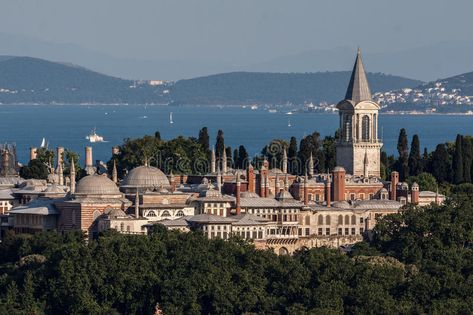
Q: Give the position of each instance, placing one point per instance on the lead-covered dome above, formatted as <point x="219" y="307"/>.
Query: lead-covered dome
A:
<point x="146" y="177"/>
<point x="96" y="185"/>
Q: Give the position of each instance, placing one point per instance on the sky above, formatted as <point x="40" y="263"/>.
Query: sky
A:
<point x="236" y="32"/>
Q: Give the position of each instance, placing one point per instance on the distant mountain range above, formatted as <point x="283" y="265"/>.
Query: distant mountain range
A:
<point x="426" y="63"/>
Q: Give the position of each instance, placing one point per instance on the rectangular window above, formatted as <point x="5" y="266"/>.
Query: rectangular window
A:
<point x="327" y="231"/>
<point x="320" y="231"/>
<point x="361" y="231"/>
<point x="340" y="231"/>
<point x="346" y="231"/>
<point x="260" y="234"/>
<point x="307" y="231"/>
<point x="353" y="231"/>
<point x="352" y="197"/>
<point x="361" y="220"/>
<point x="300" y="231"/>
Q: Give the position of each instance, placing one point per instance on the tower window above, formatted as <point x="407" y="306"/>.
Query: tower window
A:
<point x="365" y="128"/>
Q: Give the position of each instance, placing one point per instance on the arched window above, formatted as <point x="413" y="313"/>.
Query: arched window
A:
<point x="151" y="214"/>
<point x="166" y="214"/>
<point x="180" y="213"/>
<point x="340" y="219"/>
<point x="283" y="251"/>
<point x="320" y="219"/>
<point x="347" y="124"/>
<point x="122" y="226"/>
<point x="327" y="219"/>
<point x="365" y="128"/>
<point x="353" y="219"/>
<point x="347" y="219"/>
<point x="96" y="214"/>
<point x="307" y="220"/>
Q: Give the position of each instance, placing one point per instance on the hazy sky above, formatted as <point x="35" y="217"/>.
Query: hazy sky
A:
<point x="237" y="30"/>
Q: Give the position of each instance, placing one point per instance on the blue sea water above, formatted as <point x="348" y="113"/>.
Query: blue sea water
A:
<point x="68" y="125"/>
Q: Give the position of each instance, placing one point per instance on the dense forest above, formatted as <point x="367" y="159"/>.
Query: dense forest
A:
<point x="420" y="261"/>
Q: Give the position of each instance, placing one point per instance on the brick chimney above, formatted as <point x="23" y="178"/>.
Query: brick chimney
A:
<point x="237" y="194"/>
<point x="415" y="193"/>
<point x="338" y="183"/>
<point x="394" y="182"/>
<point x="250" y="174"/>
<point x="306" y="193"/>
<point x="328" y="191"/>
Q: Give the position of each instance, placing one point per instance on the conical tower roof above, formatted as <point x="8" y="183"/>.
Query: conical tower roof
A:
<point x="358" y="88"/>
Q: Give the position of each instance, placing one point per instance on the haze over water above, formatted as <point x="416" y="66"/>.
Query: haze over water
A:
<point x="68" y="126"/>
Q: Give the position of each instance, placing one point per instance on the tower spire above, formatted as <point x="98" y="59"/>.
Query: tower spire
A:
<point x="358" y="88"/>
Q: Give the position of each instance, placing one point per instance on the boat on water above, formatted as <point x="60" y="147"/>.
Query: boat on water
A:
<point x="289" y="123"/>
<point x="254" y="107"/>
<point x="94" y="137"/>
<point x="44" y="143"/>
<point x="170" y="118"/>
<point x="272" y="111"/>
<point x="289" y="113"/>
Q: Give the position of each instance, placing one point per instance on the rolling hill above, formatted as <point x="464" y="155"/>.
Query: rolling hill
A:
<point x="276" y="88"/>
<point x="33" y="80"/>
<point x="37" y="81"/>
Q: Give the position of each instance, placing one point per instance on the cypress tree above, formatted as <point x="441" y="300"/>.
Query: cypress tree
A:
<point x="403" y="150"/>
<point x="236" y="157"/>
<point x="204" y="139"/>
<point x="441" y="167"/>
<point x="467" y="148"/>
<point x="229" y="157"/>
<point x="458" y="161"/>
<point x="426" y="161"/>
<point x="415" y="164"/>
<point x="292" y="156"/>
<point x="219" y="145"/>
<point x="242" y="157"/>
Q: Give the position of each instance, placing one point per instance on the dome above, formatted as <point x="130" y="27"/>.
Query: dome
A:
<point x="115" y="213"/>
<point x="248" y="194"/>
<point x="275" y="171"/>
<point x="96" y="185"/>
<point x="146" y="177"/>
<point x="341" y="204"/>
<point x="54" y="189"/>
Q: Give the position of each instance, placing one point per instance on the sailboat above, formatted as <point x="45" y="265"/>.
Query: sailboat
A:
<point x="44" y="144"/>
<point x="289" y="123"/>
<point x="170" y="118"/>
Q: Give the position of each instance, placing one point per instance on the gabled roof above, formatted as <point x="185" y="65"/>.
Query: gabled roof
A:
<point x="358" y="89"/>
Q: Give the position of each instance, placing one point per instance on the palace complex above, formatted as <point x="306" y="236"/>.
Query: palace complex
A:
<point x="269" y="206"/>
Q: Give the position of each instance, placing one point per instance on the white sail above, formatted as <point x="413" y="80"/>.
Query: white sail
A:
<point x="43" y="143"/>
<point x="170" y="119"/>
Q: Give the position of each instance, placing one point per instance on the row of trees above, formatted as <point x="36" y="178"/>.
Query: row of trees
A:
<point x="449" y="163"/>
<point x="420" y="261"/>
<point x="192" y="155"/>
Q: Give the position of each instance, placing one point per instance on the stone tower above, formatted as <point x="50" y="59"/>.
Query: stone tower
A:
<point x="359" y="141"/>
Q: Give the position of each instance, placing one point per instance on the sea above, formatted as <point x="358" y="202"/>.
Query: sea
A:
<point x="68" y="126"/>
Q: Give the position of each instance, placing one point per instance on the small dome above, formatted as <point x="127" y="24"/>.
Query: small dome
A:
<point x="54" y="189"/>
<point x="415" y="185"/>
<point x="248" y="194"/>
<point x="146" y="177"/>
<point x="341" y="204"/>
<point x="115" y="213"/>
<point x="96" y="185"/>
<point x="383" y="190"/>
